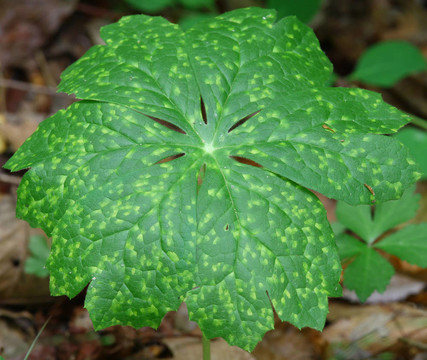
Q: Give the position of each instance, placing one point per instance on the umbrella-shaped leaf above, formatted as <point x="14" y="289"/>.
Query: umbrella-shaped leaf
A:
<point x="182" y="175"/>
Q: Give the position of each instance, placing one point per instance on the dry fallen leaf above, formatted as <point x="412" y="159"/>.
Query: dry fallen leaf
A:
<point x="14" y="235"/>
<point x="26" y="25"/>
<point x="15" y="284"/>
<point x="16" y="333"/>
<point x="19" y="127"/>
<point x="399" y="288"/>
<point x="360" y="331"/>
<point x="190" y="348"/>
<point x="286" y="342"/>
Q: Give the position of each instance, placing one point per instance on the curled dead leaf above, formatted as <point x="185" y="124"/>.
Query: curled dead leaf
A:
<point x="15" y="284"/>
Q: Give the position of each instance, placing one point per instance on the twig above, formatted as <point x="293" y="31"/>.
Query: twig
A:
<point x="98" y="12"/>
<point x="45" y="70"/>
<point x="2" y="94"/>
<point x="10" y="179"/>
<point x="21" y="85"/>
<point x="414" y="343"/>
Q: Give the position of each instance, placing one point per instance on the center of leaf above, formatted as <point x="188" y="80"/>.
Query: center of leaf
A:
<point x="209" y="148"/>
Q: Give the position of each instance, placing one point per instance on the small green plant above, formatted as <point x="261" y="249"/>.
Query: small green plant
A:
<point x="39" y="252"/>
<point x="302" y="9"/>
<point x="367" y="270"/>
<point x="385" y="63"/>
<point x="154" y="6"/>
<point x="183" y="174"/>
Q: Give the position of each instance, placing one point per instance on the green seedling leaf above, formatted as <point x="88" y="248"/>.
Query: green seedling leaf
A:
<point x="303" y="9"/>
<point x="409" y="244"/>
<point x="368" y="272"/>
<point x="150" y="6"/>
<point x="338" y="228"/>
<point x="39" y="250"/>
<point x="349" y="246"/>
<point x="368" y="224"/>
<point x="392" y="213"/>
<point x="416" y="141"/>
<point x="182" y="175"/>
<point x="356" y="218"/>
<point x="386" y="63"/>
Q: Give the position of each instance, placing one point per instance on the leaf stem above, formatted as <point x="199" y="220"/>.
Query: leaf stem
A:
<point x="206" y="348"/>
<point x="419" y="122"/>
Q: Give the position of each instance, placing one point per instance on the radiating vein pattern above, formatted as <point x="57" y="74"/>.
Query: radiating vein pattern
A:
<point x="183" y="173"/>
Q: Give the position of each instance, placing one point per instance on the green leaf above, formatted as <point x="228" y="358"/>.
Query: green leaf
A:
<point x="356" y="218"/>
<point x="187" y="22"/>
<point x="303" y="9"/>
<point x="150" y="6"/>
<point x="386" y="215"/>
<point x="392" y="213"/>
<point x="409" y="244"/>
<point x="416" y="142"/>
<point x="386" y="63"/>
<point x="39" y="250"/>
<point x="196" y="4"/>
<point x="368" y="272"/>
<point x="349" y="246"/>
<point x="182" y="174"/>
<point x="338" y="228"/>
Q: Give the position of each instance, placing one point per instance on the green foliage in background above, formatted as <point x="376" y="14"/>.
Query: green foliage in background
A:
<point x="189" y="21"/>
<point x="386" y="63"/>
<point x="150" y="6"/>
<point x="183" y="174"/>
<point x="39" y="252"/>
<point x="303" y="9"/>
<point x="416" y="141"/>
<point x="155" y="6"/>
<point x="367" y="270"/>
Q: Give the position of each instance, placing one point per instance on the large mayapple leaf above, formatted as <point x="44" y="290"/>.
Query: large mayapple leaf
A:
<point x="182" y="173"/>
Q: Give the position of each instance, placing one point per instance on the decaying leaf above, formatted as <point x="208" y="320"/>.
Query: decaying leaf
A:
<point x="15" y="285"/>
